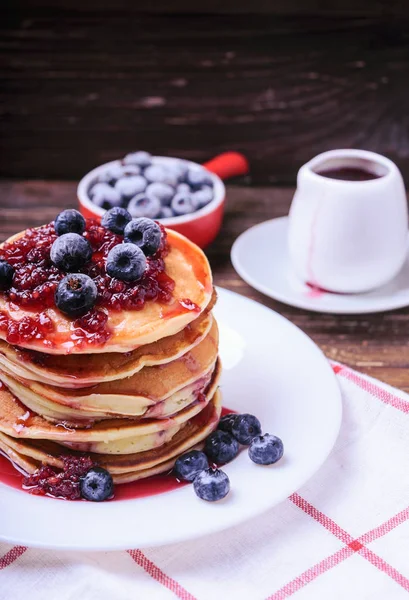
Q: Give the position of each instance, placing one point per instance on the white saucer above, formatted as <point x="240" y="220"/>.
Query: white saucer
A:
<point x="271" y="369"/>
<point x="260" y="257"/>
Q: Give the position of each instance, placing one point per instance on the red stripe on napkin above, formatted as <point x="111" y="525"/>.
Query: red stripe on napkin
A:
<point x="381" y="394"/>
<point x="159" y="576"/>
<point x="385" y="567"/>
<point x="11" y="556"/>
<point x="321" y="518"/>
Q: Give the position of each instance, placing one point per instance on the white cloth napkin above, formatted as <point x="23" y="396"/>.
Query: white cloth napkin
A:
<point x="345" y="534"/>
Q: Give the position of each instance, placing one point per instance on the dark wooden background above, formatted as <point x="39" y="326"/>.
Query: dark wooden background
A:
<point x="85" y="82"/>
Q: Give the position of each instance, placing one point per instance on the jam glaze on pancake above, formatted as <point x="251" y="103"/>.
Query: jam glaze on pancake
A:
<point x="16" y="421"/>
<point x="29" y="455"/>
<point x="185" y="264"/>
<point x="72" y="371"/>
<point x="130" y="397"/>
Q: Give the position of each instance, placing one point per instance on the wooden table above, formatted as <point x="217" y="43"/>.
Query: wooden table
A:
<point x="374" y="344"/>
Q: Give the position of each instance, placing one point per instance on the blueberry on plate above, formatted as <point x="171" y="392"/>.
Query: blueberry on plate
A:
<point x="6" y="275"/>
<point x="159" y="173"/>
<point x="96" y="485"/>
<point x="203" y="196"/>
<point x="197" y="177"/>
<point x="128" y="187"/>
<point x="266" y="449"/>
<point x="141" y="159"/>
<point x="116" y="219"/>
<point x="162" y="191"/>
<point x="211" y="485"/>
<point x="70" y="251"/>
<point x="144" y="233"/>
<point x="226" y="422"/>
<point x="126" y="262"/>
<point x="76" y="294"/>
<point x="190" y="464"/>
<point x="221" y="447"/>
<point x="166" y="213"/>
<point x="103" y="195"/>
<point x="69" y="221"/>
<point x="183" y="204"/>
<point x="245" y="428"/>
<point x="142" y="205"/>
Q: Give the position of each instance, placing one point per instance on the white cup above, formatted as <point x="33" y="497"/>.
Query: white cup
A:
<point x="348" y="236"/>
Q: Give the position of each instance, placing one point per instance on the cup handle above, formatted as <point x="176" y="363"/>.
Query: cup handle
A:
<point x="228" y="164"/>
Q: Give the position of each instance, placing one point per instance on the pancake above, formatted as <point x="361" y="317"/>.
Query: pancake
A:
<point x="142" y="408"/>
<point x="131" y="396"/>
<point x="71" y="371"/>
<point x="28" y="455"/>
<point x="16" y="421"/>
<point x="185" y="263"/>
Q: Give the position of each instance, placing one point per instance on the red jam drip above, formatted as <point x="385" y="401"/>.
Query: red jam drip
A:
<point x="36" y="278"/>
<point x="151" y="486"/>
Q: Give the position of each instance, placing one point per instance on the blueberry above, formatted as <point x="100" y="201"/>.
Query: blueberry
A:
<point x="76" y="294"/>
<point x="116" y="219"/>
<point x="197" y="177"/>
<point x="112" y="174"/>
<point x="69" y="221"/>
<point x="102" y="194"/>
<point x="162" y="191"/>
<point x="203" y="196"/>
<point x="221" y="447"/>
<point x="190" y="464"/>
<point x="226" y="422"/>
<point x="70" y="251"/>
<point x="6" y="275"/>
<point x="266" y="449"/>
<point x="183" y="188"/>
<point x="183" y="204"/>
<point x="180" y="168"/>
<point x="166" y="212"/>
<point x="159" y="173"/>
<point x="96" y="485"/>
<point x="126" y="262"/>
<point x="211" y="485"/>
<point x="145" y="233"/>
<point x="245" y="428"/>
<point x="128" y="187"/>
<point x="141" y="159"/>
<point x="142" y="205"/>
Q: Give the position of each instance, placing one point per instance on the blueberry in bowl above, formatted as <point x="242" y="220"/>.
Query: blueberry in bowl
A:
<point x="182" y="195"/>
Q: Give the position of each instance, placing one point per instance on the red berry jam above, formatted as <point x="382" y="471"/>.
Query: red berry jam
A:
<point x="36" y="278"/>
<point x="48" y="481"/>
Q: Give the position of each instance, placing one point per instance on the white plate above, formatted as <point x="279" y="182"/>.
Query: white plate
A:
<point x="271" y="369"/>
<point x="260" y="257"/>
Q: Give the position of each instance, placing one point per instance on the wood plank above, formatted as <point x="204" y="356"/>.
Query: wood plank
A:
<point x="79" y="89"/>
<point x="278" y="7"/>
<point x="374" y="344"/>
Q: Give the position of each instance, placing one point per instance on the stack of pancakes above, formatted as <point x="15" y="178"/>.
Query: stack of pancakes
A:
<point x="134" y="404"/>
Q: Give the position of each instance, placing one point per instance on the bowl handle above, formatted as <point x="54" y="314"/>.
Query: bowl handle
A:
<point x="228" y="164"/>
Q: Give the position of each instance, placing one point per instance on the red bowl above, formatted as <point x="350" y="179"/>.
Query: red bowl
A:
<point x="203" y="225"/>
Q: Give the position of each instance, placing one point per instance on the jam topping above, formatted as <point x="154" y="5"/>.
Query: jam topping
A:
<point x="47" y="481"/>
<point x="36" y="278"/>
